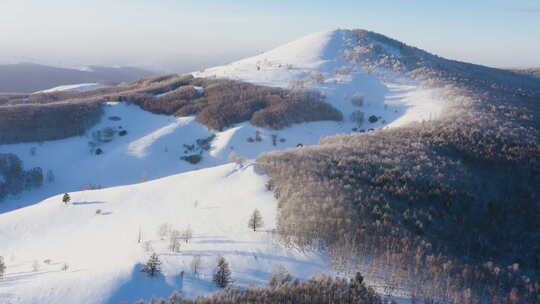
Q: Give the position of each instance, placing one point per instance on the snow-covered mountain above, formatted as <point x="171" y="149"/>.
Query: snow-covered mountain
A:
<point x="212" y="197"/>
<point x="319" y="61"/>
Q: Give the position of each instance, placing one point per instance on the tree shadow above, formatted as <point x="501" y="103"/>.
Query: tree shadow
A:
<point x="138" y="285"/>
<point x="86" y="203"/>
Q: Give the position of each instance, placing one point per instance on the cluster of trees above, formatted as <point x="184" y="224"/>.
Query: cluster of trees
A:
<point x="217" y="103"/>
<point x="221" y="102"/>
<point x="36" y="122"/>
<point x="320" y="290"/>
<point x="14" y="179"/>
<point x="447" y="209"/>
<point x="62" y="114"/>
<point x="222" y="275"/>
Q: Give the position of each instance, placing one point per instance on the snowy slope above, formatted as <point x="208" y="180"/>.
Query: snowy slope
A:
<point x="395" y="98"/>
<point x="103" y="252"/>
<point x="74" y="87"/>
<point x="154" y="144"/>
<point x="151" y="149"/>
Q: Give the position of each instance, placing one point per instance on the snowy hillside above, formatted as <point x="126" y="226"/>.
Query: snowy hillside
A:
<point x="103" y="253"/>
<point x="131" y="147"/>
<point x="318" y="61"/>
<point x="154" y="143"/>
<point x="74" y="87"/>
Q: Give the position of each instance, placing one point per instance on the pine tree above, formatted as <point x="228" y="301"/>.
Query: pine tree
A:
<point x="255" y="221"/>
<point x="222" y="276"/>
<point x="153" y="266"/>
<point x="2" y="267"/>
<point x="66" y="198"/>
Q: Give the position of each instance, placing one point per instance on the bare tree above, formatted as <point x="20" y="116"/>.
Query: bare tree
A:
<point x="195" y="265"/>
<point x="148" y="246"/>
<point x="280" y="276"/>
<point x="163" y="230"/>
<point x="3" y="267"/>
<point x="235" y="158"/>
<point x="187" y="234"/>
<point x="174" y="240"/>
<point x="255" y="221"/>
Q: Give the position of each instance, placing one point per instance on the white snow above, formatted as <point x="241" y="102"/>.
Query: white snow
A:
<point x="74" y="87"/>
<point x="102" y="250"/>
<point x="321" y="54"/>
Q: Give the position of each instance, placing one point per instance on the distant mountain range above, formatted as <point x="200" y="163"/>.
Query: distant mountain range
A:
<point x="30" y="77"/>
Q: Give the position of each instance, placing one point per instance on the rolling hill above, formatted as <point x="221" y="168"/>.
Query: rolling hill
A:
<point x="435" y="163"/>
<point x="29" y="77"/>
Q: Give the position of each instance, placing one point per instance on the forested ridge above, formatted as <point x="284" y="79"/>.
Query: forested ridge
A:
<point x="441" y="208"/>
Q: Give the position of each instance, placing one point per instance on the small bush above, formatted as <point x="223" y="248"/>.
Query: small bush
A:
<point x="373" y="119"/>
<point x="192" y="159"/>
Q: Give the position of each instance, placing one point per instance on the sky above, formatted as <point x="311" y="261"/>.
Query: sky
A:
<point x="182" y="35"/>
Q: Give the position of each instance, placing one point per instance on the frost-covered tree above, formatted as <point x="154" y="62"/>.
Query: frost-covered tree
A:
<point x="195" y="265"/>
<point x="175" y="298"/>
<point x="222" y="275"/>
<point x="280" y="276"/>
<point x="153" y="266"/>
<point x="3" y="267"/>
<point x="164" y="230"/>
<point x="235" y="158"/>
<point x="187" y="234"/>
<point x="174" y="240"/>
<point x="66" y="198"/>
<point x="255" y="221"/>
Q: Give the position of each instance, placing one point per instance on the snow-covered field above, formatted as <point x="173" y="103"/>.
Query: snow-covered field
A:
<point x="143" y="188"/>
<point x="103" y="253"/>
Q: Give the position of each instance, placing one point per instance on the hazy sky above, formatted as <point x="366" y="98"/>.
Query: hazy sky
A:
<point x="183" y="34"/>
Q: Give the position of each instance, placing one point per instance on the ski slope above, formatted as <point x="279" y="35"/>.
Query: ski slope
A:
<point x="145" y="184"/>
<point x="103" y="252"/>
